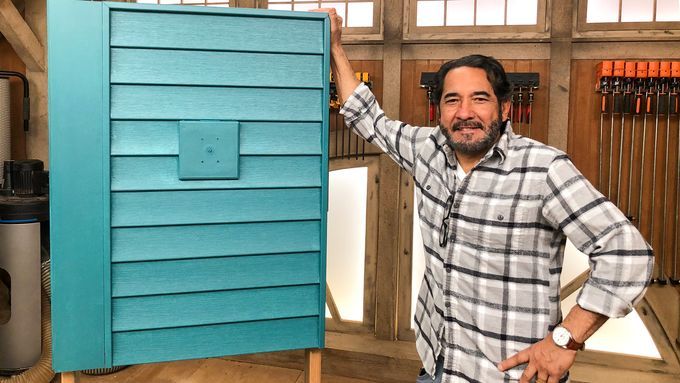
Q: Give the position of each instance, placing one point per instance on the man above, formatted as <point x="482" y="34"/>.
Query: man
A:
<point x="495" y="210"/>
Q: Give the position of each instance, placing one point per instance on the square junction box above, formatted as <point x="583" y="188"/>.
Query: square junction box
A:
<point x="208" y="150"/>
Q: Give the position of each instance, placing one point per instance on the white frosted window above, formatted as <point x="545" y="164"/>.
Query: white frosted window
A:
<point x="460" y="12"/>
<point x="360" y="14"/>
<point x="340" y="9"/>
<point x="170" y="2"/>
<point x="602" y="11"/>
<point x="305" y="6"/>
<point x="522" y="12"/>
<point x="418" y="258"/>
<point x="490" y="12"/>
<point x="637" y="10"/>
<point x="668" y="10"/>
<point x="281" y="7"/>
<point x="430" y="13"/>
<point x="347" y="240"/>
<point x="147" y="1"/>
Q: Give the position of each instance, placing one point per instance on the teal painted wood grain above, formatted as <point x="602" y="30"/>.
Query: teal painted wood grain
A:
<point x="213" y="206"/>
<point x="80" y="326"/>
<point x="257" y="138"/>
<point x="216" y="340"/>
<point x="160" y="173"/>
<point x="215" y="32"/>
<point x="214" y="103"/>
<point x="211" y="274"/>
<point x="190" y="67"/>
<point x="324" y="176"/>
<point x="214" y="307"/>
<point x="171" y="242"/>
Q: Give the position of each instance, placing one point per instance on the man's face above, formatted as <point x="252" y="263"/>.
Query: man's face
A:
<point x="469" y="113"/>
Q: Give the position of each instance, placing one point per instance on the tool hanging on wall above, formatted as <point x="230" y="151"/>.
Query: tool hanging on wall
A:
<point x="522" y="101"/>
<point x="675" y="110"/>
<point x="340" y="127"/>
<point x="636" y="108"/>
<point x="428" y="81"/>
<point x="654" y="73"/>
<point x="617" y="108"/>
<point x="626" y="109"/>
<point x="604" y="77"/>
<point x="664" y="103"/>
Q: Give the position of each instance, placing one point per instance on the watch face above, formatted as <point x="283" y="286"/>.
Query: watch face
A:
<point x="561" y="336"/>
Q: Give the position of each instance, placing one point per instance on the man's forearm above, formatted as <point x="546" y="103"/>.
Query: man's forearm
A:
<point x="583" y="323"/>
<point x="343" y="72"/>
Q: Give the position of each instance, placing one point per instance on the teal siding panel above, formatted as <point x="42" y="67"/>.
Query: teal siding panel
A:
<point x="257" y="138"/>
<point x="215" y="307"/>
<point x="160" y="173"/>
<point x="213" y="206"/>
<point x="210" y="274"/>
<point x="216" y="340"/>
<point x="182" y="67"/>
<point x="81" y="330"/>
<point x="215" y="32"/>
<point x="214" y="103"/>
<point x="170" y="242"/>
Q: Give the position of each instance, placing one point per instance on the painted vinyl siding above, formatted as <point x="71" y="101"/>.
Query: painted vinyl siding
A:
<point x="209" y="274"/>
<point x="257" y="138"/>
<point x="214" y="307"/>
<point x="216" y="340"/>
<point x="206" y="268"/>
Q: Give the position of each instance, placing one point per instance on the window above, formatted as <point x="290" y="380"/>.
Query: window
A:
<point x="209" y="3"/>
<point x="359" y="16"/>
<point x="474" y="16"/>
<point x="613" y="11"/>
<point x="618" y="15"/>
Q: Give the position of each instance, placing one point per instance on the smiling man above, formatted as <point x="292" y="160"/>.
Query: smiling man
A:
<point x="495" y="211"/>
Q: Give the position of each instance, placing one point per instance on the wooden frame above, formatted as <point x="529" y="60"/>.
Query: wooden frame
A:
<point x="492" y="32"/>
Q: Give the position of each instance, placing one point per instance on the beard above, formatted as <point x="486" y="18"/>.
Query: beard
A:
<point x="493" y="132"/>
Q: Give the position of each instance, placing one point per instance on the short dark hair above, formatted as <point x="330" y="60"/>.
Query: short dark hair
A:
<point x="494" y="73"/>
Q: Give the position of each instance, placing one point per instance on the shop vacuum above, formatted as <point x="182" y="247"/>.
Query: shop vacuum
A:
<point x="24" y="240"/>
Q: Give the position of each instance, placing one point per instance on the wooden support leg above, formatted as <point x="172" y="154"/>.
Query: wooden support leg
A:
<point x="312" y="365"/>
<point x="68" y="377"/>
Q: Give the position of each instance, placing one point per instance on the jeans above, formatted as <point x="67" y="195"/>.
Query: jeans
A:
<point x="437" y="378"/>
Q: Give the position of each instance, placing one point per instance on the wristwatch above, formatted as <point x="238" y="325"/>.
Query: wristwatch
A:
<point x="562" y="338"/>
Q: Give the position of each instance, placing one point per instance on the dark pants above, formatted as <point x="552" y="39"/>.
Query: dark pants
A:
<point x="437" y="378"/>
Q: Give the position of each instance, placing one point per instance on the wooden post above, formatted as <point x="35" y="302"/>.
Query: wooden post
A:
<point x="68" y="377"/>
<point x="312" y="365"/>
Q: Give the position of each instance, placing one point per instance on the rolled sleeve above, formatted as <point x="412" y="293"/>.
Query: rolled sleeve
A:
<point x="620" y="260"/>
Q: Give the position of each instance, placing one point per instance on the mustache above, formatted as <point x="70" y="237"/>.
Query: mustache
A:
<point x="467" y="124"/>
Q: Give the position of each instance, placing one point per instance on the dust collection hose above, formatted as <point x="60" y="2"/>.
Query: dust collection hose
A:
<point x="41" y="372"/>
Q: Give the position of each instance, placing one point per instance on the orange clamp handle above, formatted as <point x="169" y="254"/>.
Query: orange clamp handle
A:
<point x="630" y="69"/>
<point x="619" y="68"/>
<point x="653" y="69"/>
<point x="641" y="69"/>
<point x="675" y="69"/>
<point x="665" y="69"/>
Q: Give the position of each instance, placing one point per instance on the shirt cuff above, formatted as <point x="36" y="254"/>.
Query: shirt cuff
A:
<point x="358" y="103"/>
<point x="598" y="300"/>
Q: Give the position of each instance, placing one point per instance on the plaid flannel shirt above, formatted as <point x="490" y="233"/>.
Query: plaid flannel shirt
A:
<point x="494" y="288"/>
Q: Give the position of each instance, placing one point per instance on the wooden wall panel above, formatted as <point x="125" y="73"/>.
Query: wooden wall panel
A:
<point x="11" y="62"/>
<point x="655" y="213"/>
<point x="414" y="106"/>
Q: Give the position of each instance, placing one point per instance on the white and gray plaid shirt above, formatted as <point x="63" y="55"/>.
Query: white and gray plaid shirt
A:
<point x="493" y="288"/>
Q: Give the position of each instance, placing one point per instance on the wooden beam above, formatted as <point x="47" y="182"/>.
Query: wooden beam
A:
<point x="312" y="365"/>
<point x="574" y="285"/>
<point x="332" y="307"/>
<point x="21" y="37"/>
<point x="68" y="377"/>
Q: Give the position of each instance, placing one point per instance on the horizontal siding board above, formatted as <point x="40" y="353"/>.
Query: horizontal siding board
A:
<point x="202" y="241"/>
<point x="182" y="67"/>
<point x="160" y="173"/>
<point x="215" y="307"/>
<point x="216" y="32"/>
<point x="156" y="102"/>
<point x="209" y="274"/>
<point x="213" y="206"/>
<point x="256" y="138"/>
<point x="215" y="340"/>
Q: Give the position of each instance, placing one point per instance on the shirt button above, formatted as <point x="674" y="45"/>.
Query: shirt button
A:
<point x="447" y="304"/>
<point x="428" y="187"/>
<point x="500" y="217"/>
<point x="456" y="205"/>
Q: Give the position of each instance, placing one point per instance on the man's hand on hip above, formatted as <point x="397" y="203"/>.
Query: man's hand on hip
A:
<point x="547" y="361"/>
